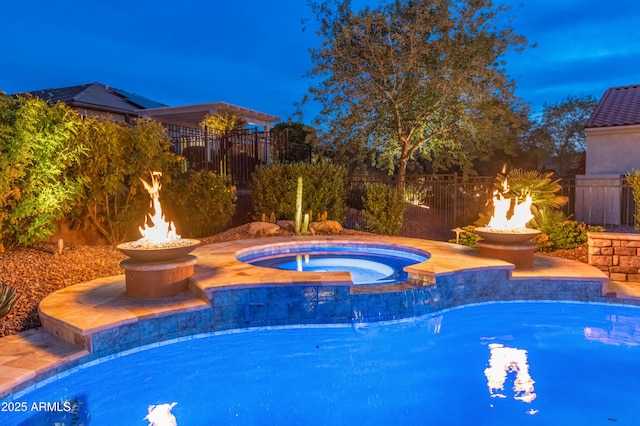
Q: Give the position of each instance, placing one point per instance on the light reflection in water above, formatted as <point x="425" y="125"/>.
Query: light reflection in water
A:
<point x="160" y="415"/>
<point x="505" y="360"/>
<point x="623" y="330"/>
<point x="299" y="261"/>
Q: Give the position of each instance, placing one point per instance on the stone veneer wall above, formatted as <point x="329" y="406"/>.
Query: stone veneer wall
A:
<point x="616" y="254"/>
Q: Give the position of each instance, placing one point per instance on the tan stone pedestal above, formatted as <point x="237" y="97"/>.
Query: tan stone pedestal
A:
<point x="157" y="279"/>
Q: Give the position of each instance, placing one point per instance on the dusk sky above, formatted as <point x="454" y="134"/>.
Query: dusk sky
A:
<point x="253" y="53"/>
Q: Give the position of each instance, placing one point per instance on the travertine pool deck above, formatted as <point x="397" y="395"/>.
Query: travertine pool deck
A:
<point x="90" y="320"/>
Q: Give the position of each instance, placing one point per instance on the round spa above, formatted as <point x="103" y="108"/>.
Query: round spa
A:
<point x="367" y="263"/>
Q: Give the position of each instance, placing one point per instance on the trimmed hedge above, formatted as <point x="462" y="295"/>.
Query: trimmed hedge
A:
<point x="200" y="203"/>
<point x="384" y="208"/>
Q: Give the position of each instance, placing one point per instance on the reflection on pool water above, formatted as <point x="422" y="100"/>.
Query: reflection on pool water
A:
<point x="489" y="364"/>
<point x="367" y="264"/>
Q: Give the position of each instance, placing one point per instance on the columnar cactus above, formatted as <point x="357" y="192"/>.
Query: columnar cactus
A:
<point x="301" y="225"/>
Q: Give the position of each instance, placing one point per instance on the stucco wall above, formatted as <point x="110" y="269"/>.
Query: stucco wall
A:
<point x="613" y="150"/>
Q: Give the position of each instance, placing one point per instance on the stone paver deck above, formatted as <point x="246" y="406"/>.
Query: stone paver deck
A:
<point x="79" y="321"/>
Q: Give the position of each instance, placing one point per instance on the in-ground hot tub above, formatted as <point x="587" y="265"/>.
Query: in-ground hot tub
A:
<point x="366" y="262"/>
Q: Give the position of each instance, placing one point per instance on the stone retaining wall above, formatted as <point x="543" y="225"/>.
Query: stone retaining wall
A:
<point x="617" y="255"/>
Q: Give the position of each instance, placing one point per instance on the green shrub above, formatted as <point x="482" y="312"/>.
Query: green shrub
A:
<point x="558" y="232"/>
<point x="633" y="178"/>
<point x="38" y="155"/>
<point x="467" y="237"/>
<point x="200" y="203"/>
<point x="113" y="200"/>
<point x="384" y="208"/>
<point x="274" y="189"/>
<point x="543" y="242"/>
<point x="570" y="234"/>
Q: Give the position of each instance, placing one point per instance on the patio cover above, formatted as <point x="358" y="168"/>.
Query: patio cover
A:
<point x="192" y="115"/>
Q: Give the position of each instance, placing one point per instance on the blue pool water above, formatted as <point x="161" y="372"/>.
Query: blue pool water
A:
<point x="367" y="264"/>
<point x="491" y="364"/>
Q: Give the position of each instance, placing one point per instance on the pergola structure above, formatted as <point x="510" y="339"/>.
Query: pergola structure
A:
<point x="192" y="115"/>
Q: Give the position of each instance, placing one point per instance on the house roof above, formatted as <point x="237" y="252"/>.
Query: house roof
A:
<point x="192" y="115"/>
<point x="619" y="106"/>
<point x="97" y="96"/>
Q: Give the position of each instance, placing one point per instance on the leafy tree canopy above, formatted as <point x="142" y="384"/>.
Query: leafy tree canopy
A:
<point x="416" y="77"/>
<point x="557" y="139"/>
<point x="223" y="121"/>
<point x="297" y="132"/>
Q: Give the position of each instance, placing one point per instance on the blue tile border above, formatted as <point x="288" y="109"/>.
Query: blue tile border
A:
<point x="276" y="305"/>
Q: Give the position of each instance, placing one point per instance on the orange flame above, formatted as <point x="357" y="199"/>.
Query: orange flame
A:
<point x="161" y="231"/>
<point x="501" y="207"/>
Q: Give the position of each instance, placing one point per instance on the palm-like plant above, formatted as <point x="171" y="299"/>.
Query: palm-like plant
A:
<point x="519" y="183"/>
<point x="542" y="188"/>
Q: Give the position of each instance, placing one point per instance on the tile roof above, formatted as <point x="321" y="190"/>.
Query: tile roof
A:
<point x="619" y="106"/>
<point x="98" y="96"/>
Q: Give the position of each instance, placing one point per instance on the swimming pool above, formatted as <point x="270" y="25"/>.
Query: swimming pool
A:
<point x="485" y="364"/>
<point x="367" y="263"/>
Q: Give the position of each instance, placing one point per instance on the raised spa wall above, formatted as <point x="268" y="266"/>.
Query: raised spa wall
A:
<point x="616" y="254"/>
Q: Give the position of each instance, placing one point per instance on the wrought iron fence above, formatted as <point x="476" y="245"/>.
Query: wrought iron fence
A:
<point x="439" y="203"/>
<point x="234" y="153"/>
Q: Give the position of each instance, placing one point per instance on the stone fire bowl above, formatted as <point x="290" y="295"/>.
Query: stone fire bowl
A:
<point x="518" y="236"/>
<point x="160" y="254"/>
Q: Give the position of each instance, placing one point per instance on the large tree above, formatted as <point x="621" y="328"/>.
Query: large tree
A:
<point x="556" y="139"/>
<point x="564" y="123"/>
<point x="416" y="77"/>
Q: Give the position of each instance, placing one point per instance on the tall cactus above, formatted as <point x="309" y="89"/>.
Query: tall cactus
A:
<point x="301" y="225"/>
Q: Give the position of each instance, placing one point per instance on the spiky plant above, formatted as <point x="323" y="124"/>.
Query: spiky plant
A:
<point x="542" y="188"/>
<point x="8" y="299"/>
<point x="520" y="183"/>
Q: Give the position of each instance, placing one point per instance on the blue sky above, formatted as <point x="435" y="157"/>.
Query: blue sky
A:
<point x="253" y="53"/>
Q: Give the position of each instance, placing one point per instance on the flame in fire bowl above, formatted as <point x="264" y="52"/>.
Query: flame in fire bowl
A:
<point x="158" y="252"/>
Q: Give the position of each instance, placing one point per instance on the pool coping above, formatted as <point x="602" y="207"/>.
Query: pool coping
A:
<point x="87" y="321"/>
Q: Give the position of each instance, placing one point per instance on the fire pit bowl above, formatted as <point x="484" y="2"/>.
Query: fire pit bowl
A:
<point x="158" y="253"/>
<point x="500" y="236"/>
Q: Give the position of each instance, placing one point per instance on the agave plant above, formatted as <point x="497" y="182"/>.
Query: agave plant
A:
<point x="8" y="299"/>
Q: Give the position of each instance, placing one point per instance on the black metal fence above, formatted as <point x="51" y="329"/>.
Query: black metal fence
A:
<point x="235" y="153"/>
<point x="439" y="203"/>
